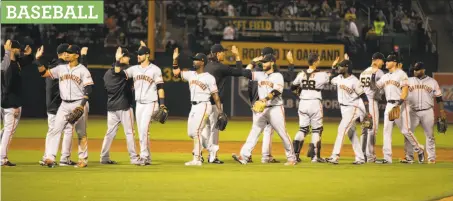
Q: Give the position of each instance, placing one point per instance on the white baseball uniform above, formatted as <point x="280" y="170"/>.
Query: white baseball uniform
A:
<point x="201" y="86"/>
<point x="310" y="105"/>
<point x="352" y="108"/>
<point x="274" y="113"/>
<point x="146" y="97"/>
<point x="392" y="84"/>
<point x="72" y="83"/>
<point x="421" y="101"/>
<point x="365" y="79"/>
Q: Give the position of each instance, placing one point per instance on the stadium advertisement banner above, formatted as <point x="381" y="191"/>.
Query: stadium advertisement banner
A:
<point x="445" y="81"/>
<point x="250" y="50"/>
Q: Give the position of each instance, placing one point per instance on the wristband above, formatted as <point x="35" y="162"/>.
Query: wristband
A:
<point x="400" y="102"/>
<point x="162" y="101"/>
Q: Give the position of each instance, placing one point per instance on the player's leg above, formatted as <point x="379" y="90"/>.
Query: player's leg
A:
<point x="408" y="149"/>
<point x="304" y="122"/>
<point x="259" y="122"/>
<point x="10" y="122"/>
<point x="359" y="156"/>
<point x="267" y="145"/>
<point x="113" y="121"/>
<point x="404" y="123"/>
<point x="387" y="136"/>
<point x="346" y="124"/>
<point x="198" y="118"/>
<point x="144" y="113"/>
<point x="82" y="137"/>
<point x="127" y="120"/>
<point x="316" y="122"/>
<point x="371" y="133"/>
<point x="66" y="146"/>
<point x="427" y="123"/>
<point x="55" y="134"/>
<point x="276" y="117"/>
<point x="50" y="126"/>
<point x="213" y="142"/>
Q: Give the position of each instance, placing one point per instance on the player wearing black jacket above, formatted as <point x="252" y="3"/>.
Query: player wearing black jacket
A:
<point x="13" y="61"/>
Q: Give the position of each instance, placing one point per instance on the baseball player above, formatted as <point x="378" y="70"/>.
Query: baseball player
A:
<point x="119" y="108"/>
<point x="395" y="85"/>
<point x="11" y="103"/>
<point x="268" y="131"/>
<point x="310" y="82"/>
<point x="350" y="92"/>
<point x="202" y="86"/>
<point x="368" y="138"/>
<point x="75" y="85"/>
<point x="422" y="91"/>
<point x="149" y="93"/>
<point x="53" y="101"/>
<point x="268" y="109"/>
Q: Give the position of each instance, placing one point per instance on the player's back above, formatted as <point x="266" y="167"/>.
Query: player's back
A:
<point x="311" y="88"/>
<point x="365" y="79"/>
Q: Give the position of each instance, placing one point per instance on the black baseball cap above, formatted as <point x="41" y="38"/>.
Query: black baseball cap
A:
<point x="419" y="66"/>
<point x="217" y="48"/>
<point x="267" y="50"/>
<point x="268" y="58"/>
<point x="200" y="57"/>
<point x="73" y="49"/>
<point x="62" y="48"/>
<point x="15" y="44"/>
<point x="143" y="50"/>
<point x="345" y="63"/>
<point x="378" y="55"/>
<point x="312" y="57"/>
<point x="393" y="57"/>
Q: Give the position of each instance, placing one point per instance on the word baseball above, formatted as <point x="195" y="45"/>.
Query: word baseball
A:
<point x="50" y="12"/>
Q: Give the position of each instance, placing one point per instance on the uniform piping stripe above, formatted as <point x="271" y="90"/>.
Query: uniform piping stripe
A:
<point x="284" y="124"/>
<point x="198" y="131"/>
<point x="11" y="136"/>
<point x="348" y="126"/>
<point x="132" y="125"/>
<point x="407" y="128"/>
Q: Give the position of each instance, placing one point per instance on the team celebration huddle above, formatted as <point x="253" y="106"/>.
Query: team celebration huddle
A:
<point x="410" y="103"/>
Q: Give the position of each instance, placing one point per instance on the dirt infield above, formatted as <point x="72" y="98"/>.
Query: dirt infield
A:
<point x="225" y="148"/>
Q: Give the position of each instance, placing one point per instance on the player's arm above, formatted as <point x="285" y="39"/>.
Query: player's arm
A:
<point x="277" y="89"/>
<point x="7" y="58"/>
<point x="83" y="56"/>
<point x="26" y="57"/>
<point x="359" y="91"/>
<point x="216" y="98"/>
<point x="40" y="63"/>
<point x="235" y="52"/>
<point x="176" y="69"/>
<point x="88" y="83"/>
<point x="404" y="89"/>
<point x="118" y="69"/>
<point x="439" y="100"/>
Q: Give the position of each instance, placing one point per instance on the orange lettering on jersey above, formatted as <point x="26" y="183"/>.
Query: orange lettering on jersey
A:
<point x="144" y="78"/>
<point x="198" y="83"/>
<point x="420" y="87"/>
<point x="266" y="83"/>
<point x="347" y="89"/>
<point x="74" y="78"/>
<point x="392" y="82"/>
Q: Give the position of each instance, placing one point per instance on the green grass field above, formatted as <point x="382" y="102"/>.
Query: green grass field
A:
<point x="169" y="179"/>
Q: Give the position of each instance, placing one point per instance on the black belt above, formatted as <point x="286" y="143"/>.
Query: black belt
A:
<point x="318" y="90"/>
<point x="393" y="101"/>
<point x="272" y="105"/>
<point x="344" y="105"/>
<point x="198" y="102"/>
<point x="70" y="101"/>
<point x="422" y="109"/>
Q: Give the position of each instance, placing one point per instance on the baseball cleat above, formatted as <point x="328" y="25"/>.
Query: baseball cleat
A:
<point x="109" y="162"/>
<point x="431" y="161"/>
<point x="193" y="163"/>
<point x="318" y="160"/>
<point x="8" y="163"/>
<point x="332" y="160"/>
<point x="41" y="163"/>
<point x="49" y="163"/>
<point x="421" y="156"/>
<point x="67" y="163"/>
<point x="271" y="160"/>
<point x="216" y="161"/>
<point x="239" y="159"/>
<point x="250" y="160"/>
<point x="291" y="162"/>
<point x="358" y="162"/>
<point x="383" y="161"/>
<point x="371" y="160"/>
<point x="298" y="159"/>
<point x="81" y="164"/>
<point x="406" y="160"/>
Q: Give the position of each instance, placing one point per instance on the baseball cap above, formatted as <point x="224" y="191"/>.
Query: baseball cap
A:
<point x="73" y="49"/>
<point x="143" y="50"/>
<point x="62" y="48"/>
<point x="378" y="55"/>
<point x="217" y="48"/>
<point x="15" y="44"/>
<point x="267" y="58"/>
<point x="200" y="57"/>
<point x="392" y="57"/>
<point x="312" y="57"/>
<point x="419" y="66"/>
<point x="345" y="63"/>
<point x="267" y="50"/>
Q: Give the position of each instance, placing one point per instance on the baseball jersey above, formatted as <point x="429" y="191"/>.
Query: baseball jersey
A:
<point x="422" y="92"/>
<point x="348" y="89"/>
<point x="72" y="81"/>
<point x="119" y="91"/>
<point x="311" y="88"/>
<point x="145" y="82"/>
<point x="392" y="84"/>
<point x="201" y="85"/>
<point x="365" y="79"/>
<point x="267" y="83"/>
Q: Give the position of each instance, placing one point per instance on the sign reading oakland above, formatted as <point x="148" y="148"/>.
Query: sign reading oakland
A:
<point x="52" y="12"/>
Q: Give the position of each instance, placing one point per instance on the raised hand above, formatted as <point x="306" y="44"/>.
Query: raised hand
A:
<point x="119" y="54"/>
<point x="234" y="50"/>
<point x="39" y="52"/>
<point x="346" y="56"/>
<point x="7" y="45"/>
<point x="142" y="44"/>
<point x="84" y="51"/>
<point x="256" y="59"/>
<point x="175" y="53"/>
<point x="289" y="57"/>
<point x="335" y="62"/>
<point x="27" y="50"/>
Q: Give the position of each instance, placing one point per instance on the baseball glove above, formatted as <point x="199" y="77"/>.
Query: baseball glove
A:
<point x="394" y="113"/>
<point x="441" y="125"/>
<point x="161" y="115"/>
<point x="259" y="106"/>
<point x="75" y="115"/>
<point x="222" y="121"/>
<point x="367" y="122"/>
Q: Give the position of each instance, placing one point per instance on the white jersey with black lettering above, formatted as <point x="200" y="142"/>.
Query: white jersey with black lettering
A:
<point x="72" y="81"/>
<point x="201" y="85"/>
<point x="365" y="79"/>
<point x="267" y="83"/>
<point x="348" y="89"/>
<point x="311" y="88"/>
<point x="422" y="92"/>
<point x="145" y="82"/>
<point x="392" y="84"/>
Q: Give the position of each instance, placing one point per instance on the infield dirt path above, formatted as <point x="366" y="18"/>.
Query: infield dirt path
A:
<point x="443" y="154"/>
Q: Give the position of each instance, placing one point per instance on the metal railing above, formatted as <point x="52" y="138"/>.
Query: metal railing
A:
<point x="417" y="7"/>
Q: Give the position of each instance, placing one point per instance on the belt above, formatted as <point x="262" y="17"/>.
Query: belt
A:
<point x="197" y="102"/>
<point x="422" y="109"/>
<point x="318" y="90"/>
<point x="71" y="101"/>
<point x="271" y="106"/>
<point x="393" y="101"/>
<point x="345" y="105"/>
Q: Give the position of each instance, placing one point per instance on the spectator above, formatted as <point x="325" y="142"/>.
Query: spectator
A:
<point x="115" y="36"/>
<point x="228" y="32"/>
<point x="254" y="11"/>
<point x="231" y="11"/>
<point x="137" y="24"/>
<point x="379" y="25"/>
<point x="405" y="23"/>
<point x="326" y="8"/>
<point x="206" y="43"/>
<point x="352" y="29"/>
<point x="350" y="14"/>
